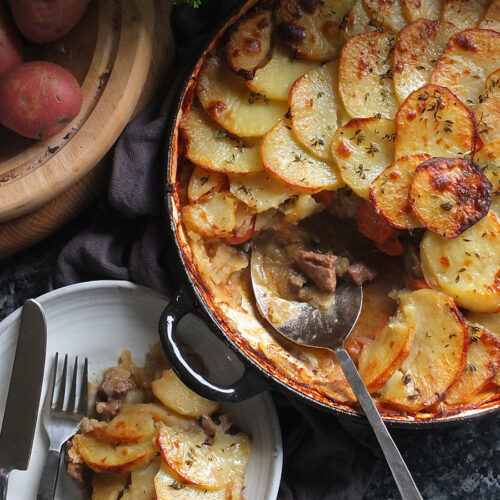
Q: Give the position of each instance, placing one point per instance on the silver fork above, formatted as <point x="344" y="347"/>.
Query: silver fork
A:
<point x="62" y="421"/>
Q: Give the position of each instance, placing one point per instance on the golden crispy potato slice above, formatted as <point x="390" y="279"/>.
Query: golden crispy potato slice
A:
<point x="160" y="413"/>
<point x="213" y="149"/>
<point x="362" y="149"/>
<point x="468" y="267"/>
<point x="386" y="13"/>
<point x="464" y="13"/>
<point x="487" y="111"/>
<point x="175" y="395"/>
<point x="202" y="182"/>
<point x="469" y="57"/>
<point x="276" y="78"/>
<point x="365" y="75"/>
<point x="483" y="361"/>
<point x="491" y="18"/>
<point x="230" y="103"/>
<point x="285" y="158"/>
<point x="105" y="457"/>
<point x="416" y="51"/>
<point x="382" y="357"/>
<point x="313" y="104"/>
<point x="142" y="485"/>
<point x="108" y="486"/>
<point x="488" y="158"/>
<point x="489" y="321"/>
<point x="249" y="44"/>
<point x="389" y="192"/>
<point x="312" y="28"/>
<point x="357" y="21"/>
<point x="437" y="354"/>
<point x="211" y="466"/>
<point x="432" y="120"/>
<point x="422" y="9"/>
<point x="448" y="195"/>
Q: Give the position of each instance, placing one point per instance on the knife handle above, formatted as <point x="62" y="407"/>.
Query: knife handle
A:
<point x="48" y="482"/>
<point x="4" y="479"/>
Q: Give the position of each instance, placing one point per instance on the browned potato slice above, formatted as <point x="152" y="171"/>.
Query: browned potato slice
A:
<point x="202" y="182"/>
<point x="362" y="149"/>
<point x="491" y="18"/>
<point x="417" y="49"/>
<point x="105" y="457"/>
<point x="108" y="486"/>
<point x="488" y="158"/>
<point x="229" y="102"/>
<point x="312" y="28"/>
<point x="483" y="361"/>
<point x="382" y="357"/>
<point x="389" y="192"/>
<point x="365" y="75"/>
<point x="160" y="413"/>
<point x="469" y="57"/>
<point x="448" y="195"/>
<point x="464" y="13"/>
<point x="142" y="485"/>
<point x="437" y="354"/>
<point x="357" y="21"/>
<point x="213" y="149"/>
<point x="386" y="13"/>
<point x="489" y="321"/>
<point x="468" y="267"/>
<point x="422" y="9"/>
<point x="432" y="120"/>
<point x="276" y="78"/>
<point x="249" y="44"/>
<point x="285" y="158"/>
<point x="487" y="111"/>
<point x="313" y="105"/>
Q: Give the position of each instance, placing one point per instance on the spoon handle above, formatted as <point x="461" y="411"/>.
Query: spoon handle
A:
<point x="404" y="481"/>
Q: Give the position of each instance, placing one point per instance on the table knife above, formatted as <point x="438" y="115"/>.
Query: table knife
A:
<point x="21" y="410"/>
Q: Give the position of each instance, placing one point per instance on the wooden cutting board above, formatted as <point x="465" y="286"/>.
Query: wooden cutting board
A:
<point x="118" y="52"/>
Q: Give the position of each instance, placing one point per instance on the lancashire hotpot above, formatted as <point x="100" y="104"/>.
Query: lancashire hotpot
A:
<point x="194" y="296"/>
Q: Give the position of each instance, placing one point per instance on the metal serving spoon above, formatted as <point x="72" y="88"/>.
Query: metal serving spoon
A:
<point x="307" y="325"/>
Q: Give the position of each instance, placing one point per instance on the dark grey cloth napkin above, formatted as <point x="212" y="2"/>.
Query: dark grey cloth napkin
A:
<point x="324" y="457"/>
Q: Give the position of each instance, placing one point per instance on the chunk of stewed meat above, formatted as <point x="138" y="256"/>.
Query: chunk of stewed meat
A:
<point x="113" y="389"/>
<point x="358" y="273"/>
<point x="319" y="267"/>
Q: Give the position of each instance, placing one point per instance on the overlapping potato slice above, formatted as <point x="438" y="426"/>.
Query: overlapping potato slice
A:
<point x="285" y="158"/>
<point x="468" y="267"/>
<point x="365" y="75"/>
<point x="437" y="353"/>
<point x="211" y="466"/>
<point x="202" y="182"/>
<point x="300" y="207"/>
<point x="448" y="195"/>
<point x="386" y="13"/>
<point x="483" y="361"/>
<point x="432" y="120"/>
<point x="464" y="13"/>
<point x="379" y="359"/>
<point x="160" y="413"/>
<point x="469" y="57"/>
<point x="491" y="18"/>
<point x="489" y="321"/>
<point x="276" y="78"/>
<point x="249" y="44"/>
<point x="312" y="29"/>
<point x="313" y="104"/>
<point x="108" y="486"/>
<point x="418" y="47"/>
<point x="389" y="192"/>
<point x="357" y="21"/>
<point x="362" y="149"/>
<point x="141" y="485"/>
<point x="487" y="111"/>
<point x="228" y="101"/>
<point x="422" y="9"/>
<point x="213" y="149"/>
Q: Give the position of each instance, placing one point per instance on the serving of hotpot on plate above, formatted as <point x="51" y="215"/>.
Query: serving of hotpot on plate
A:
<point x="422" y="342"/>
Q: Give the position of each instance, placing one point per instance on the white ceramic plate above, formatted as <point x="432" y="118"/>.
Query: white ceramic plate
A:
<point x="101" y="318"/>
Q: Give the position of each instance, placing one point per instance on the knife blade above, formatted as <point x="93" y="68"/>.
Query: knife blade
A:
<point x="23" y="399"/>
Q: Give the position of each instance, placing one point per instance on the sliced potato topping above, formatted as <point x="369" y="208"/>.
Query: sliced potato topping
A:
<point x="488" y="158"/>
<point x="489" y="321"/>
<point x="422" y="9"/>
<point x="313" y="105"/>
<point x="285" y="158"/>
<point x="469" y="57"/>
<point x="491" y="18"/>
<point x="141" y="485"/>
<point x="365" y="75"/>
<point x="468" y="267"/>
<point x="362" y="149"/>
<point x="432" y="120"/>
<point x="276" y="78"/>
<point x="389" y="192"/>
<point x="418" y="47"/>
<point x="249" y="44"/>
<point x="386" y="13"/>
<point x="228" y="101"/>
<point x="202" y="182"/>
<point x="356" y="21"/>
<point x="108" y="486"/>
<point x="448" y="195"/>
<point x="487" y="111"/>
<point x="437" y="353"/>
<point x="464" y="13"/>
<point x="213" y="149"/>
<point x="379" y="359"/>
<point x="312" y="28"/>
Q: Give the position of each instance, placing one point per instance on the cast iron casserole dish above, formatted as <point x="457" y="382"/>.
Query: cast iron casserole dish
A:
<point x="194" y="296"/>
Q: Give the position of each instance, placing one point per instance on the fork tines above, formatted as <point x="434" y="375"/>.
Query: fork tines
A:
<point x="77" y="405"/>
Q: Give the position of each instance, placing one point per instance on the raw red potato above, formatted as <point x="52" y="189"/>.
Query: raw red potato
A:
<point x="11" y="50"/>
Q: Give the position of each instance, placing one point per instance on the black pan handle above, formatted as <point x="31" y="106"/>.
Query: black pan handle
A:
<point x="247" y="386"/>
